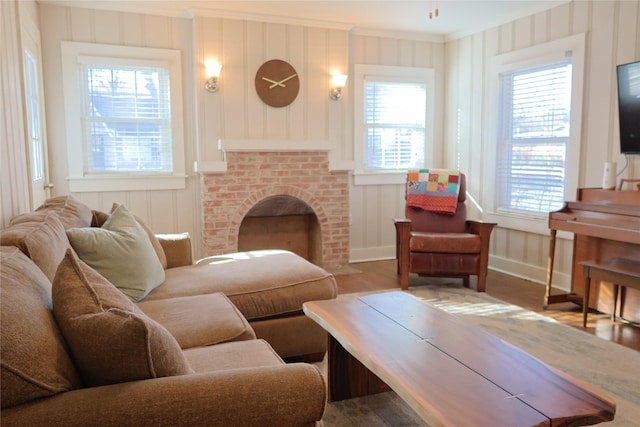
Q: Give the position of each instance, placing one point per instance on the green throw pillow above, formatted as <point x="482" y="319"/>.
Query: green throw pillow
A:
<point x="120" y="251"/>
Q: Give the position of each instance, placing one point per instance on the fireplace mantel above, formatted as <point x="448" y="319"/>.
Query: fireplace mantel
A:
<point x="271" y="146"/>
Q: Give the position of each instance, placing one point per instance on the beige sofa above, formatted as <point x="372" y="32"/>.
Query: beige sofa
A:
<point x="204" y="347"/>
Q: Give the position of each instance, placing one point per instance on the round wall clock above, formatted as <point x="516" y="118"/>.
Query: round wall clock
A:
<point x="277" y="83"/>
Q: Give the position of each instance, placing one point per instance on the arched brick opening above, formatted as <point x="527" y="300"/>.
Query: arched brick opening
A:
<point x="282" y="222"/>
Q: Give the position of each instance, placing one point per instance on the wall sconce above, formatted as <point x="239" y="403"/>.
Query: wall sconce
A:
<point x="213" y="74"/>
<point x="337" y="83"/>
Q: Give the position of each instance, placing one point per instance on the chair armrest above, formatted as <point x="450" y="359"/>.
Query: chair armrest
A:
<point x="401" y="221"/>
<point x="282" y="395"/>
<point x="177" y="249"/>
<point x="403" y="234"/>
<point x="403" y="230"/>
<point x="482" y="228"/>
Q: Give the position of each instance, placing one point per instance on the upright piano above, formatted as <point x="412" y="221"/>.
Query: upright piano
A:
<point x="606" y="224"/>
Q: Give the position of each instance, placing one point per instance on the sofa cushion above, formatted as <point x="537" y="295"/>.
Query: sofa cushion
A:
<point x="232" y="355"/>
<point x="71" y="211"/>
<point x="262" y="284"/>
<point x="35" y="359"/>
<point x="41" y="237"/>
<point x="448" y="243"/>
<point x="199" y="320"/>
<point x="111" y="339"/>
<point x="121" y="251"/>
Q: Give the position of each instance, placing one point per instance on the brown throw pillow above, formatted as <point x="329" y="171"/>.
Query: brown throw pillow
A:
<point x="71" y="211"/>
<point x="36" y="362"/>
<point x="98" y="218"/>
<point x="41" y="237"/>
<point x="111" y="339"/>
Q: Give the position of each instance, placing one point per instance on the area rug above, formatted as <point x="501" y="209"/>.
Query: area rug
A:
<point x="613" y="368"/>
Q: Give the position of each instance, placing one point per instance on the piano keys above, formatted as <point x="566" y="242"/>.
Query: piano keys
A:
<point x="606" y="224"/>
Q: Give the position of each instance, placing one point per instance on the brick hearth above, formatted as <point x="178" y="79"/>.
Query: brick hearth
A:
<point x="253" y="176"/>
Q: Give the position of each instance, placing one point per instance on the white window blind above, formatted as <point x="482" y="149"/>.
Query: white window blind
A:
<point x="533" y="136"/>
<point x="126" y="118"/>
<point x="395" y="116"/>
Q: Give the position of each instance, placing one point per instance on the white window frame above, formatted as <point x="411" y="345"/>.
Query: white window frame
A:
<point x="79" y="181"/>
<point x="523" y="58"/>
<point x="34" y="114"/>
<point x="362" y="175"/>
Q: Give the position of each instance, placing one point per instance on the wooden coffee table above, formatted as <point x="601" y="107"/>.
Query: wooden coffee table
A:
<point x="449" y="371"/>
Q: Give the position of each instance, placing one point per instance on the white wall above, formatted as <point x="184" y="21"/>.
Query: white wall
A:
<point x="613" y="37"/>
<point x="164" y="211"/>
<point x="14" y="179"/>
<point x="373" y="207"/>
<point x="235" y="113"/>
<point x="237" y="116"/>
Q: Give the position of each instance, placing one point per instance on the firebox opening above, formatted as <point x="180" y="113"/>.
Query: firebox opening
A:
<point x="282" y="222"/>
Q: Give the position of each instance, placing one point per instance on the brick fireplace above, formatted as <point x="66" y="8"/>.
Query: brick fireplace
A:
<point x="254" y="177"/>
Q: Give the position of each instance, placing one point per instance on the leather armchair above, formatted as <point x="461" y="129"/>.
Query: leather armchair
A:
<point x="435" y="244"/>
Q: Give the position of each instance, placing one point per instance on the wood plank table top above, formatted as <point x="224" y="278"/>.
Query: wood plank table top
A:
<point x="451" y="372"/>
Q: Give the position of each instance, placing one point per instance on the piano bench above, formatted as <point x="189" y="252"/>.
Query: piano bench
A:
<point x="618" y="271"/>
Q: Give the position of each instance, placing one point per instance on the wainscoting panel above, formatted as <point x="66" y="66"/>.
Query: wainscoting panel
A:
<point x="612" y="38"/>
<point x="164" y="211"/>
<point x="236" y="113"/>
<point x="14" y="183"/>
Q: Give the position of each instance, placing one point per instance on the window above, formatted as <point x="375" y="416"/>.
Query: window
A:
<point x="34" y="125"/>
<point x="35" y="121"/>
<point x="124" y="117"/>
<point x="532" y="158"/>
<point x="534" y="131"/>
<point x="393" y="122"/>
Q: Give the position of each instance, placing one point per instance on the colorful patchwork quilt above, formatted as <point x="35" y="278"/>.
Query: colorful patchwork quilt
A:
<point x="434" y="190"/>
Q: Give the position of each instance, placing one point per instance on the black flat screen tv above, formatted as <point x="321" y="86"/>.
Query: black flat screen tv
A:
<point x="629" y="107"/>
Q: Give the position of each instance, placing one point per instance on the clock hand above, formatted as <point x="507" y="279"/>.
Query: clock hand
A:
<point x="275" y="83"/>
<point x="271" y="81"/>
<point x="281" y="81"/>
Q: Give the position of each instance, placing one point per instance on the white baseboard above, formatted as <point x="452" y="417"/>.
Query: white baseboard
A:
<point x="372" y="254"/>
<point x="533" y="273"/>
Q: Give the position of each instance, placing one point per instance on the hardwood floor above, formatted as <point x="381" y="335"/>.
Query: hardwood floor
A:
<point x="378" y="275"/>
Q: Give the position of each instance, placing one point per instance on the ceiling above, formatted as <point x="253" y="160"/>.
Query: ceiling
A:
<point x="456" y="18"/>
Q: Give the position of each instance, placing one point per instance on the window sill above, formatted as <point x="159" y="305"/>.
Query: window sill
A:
<point x="386" y="177"/>
<point x="529" y="223"/>
<point x="126" y="183"/>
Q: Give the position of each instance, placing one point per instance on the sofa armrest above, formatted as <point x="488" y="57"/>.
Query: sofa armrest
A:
<point x="177" y="249"/>
<point x="282" y="395"/>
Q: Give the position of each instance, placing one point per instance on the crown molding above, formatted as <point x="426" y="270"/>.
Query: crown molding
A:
<point x="175" y="10"/>
<point x="400" y="35"/>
